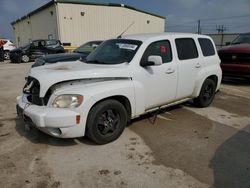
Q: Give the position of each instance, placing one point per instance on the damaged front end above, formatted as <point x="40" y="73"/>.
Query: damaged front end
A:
<point x="32" y="90"/>
<point x="35" y="111"/>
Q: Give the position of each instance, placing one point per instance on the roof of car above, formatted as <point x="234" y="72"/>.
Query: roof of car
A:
<point x="144" y="37"/>
<point x="4" y="39"/>
<point x="44" y="40"/>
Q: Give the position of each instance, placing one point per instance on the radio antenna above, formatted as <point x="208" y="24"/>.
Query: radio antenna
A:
<point x="120" y="36"/>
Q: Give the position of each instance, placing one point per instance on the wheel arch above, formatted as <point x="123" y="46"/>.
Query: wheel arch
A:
<point x="213" y="77"/>
<point x="120" y="98"/>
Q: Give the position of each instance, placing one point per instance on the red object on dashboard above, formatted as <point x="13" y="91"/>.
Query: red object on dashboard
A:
<point x="163" y="49"/>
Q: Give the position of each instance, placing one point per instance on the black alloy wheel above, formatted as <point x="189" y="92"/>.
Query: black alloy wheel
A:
<point x="106" y="121"/>
<point x="207" y="94"/>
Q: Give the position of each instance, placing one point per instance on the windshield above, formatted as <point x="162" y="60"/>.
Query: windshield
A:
<point x="88" y="47"/>
<point x="242" y="39"/>
<point x="114" y="51"/>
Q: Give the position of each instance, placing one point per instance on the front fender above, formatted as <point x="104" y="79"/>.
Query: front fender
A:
<point x="113" y="88"/>
<point x="95" y="92"/>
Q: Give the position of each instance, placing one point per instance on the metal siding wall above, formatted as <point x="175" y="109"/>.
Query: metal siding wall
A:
<point x="40" y="26"/>
<point x="44" y="24"/>
<point x="102" y="22"/>
<point x="22" y="32"/>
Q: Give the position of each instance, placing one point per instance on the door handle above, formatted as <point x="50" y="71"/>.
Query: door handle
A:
<point x="169" y="71"/>
<point x="198" y="65"/>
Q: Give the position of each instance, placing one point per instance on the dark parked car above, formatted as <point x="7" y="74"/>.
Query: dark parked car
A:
<point x="35" y="49"/>
<point x="235" y="58"/>
<point x="79" y="53"/>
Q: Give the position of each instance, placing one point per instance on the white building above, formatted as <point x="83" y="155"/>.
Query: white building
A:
<point x="77" y="21"/>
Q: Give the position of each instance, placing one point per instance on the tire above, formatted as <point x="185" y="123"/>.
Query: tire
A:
<point x="6" y="55"/>
<point x="106" y="121"/>
<point x="25" y="58"/>
<point x="206" y="95"/>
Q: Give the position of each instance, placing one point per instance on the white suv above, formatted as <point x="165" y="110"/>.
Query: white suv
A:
<point x="7" y="47"/>
<point x="121" y="80"/>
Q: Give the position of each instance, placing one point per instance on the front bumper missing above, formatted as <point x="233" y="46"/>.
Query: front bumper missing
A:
<point x="46" y="118"/>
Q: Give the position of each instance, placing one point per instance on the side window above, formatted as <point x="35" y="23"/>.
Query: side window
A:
<point x="206" y="47"/>
<point x="38" y="44"/>
<point x="186" y="48"/>
<point x="51" y="43"/>
<point x="159" y="48"/>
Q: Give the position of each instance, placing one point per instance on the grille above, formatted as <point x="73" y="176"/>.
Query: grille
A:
<point x="235" y="58"/>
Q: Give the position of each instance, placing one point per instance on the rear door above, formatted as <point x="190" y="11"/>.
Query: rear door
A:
<point x="189" y="65"/>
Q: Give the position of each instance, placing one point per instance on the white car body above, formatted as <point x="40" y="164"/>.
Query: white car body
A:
<point x="7" y="47"/>
<point x="145" y="89"/>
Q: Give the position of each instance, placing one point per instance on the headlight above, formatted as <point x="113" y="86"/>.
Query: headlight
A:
<point x="67" y="101"/>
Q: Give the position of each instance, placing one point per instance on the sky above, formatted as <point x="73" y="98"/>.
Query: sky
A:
<point x="181" y="15"/>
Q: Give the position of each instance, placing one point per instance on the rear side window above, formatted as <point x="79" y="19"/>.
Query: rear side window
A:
<point x="186" y="48"/>
<point x="206" y="47"/>
<point x="159" y="48"/>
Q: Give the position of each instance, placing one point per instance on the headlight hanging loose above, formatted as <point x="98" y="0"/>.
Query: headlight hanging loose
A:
<point x="67" y="101"/>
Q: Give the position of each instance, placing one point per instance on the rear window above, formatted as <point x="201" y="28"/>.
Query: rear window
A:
<point x="206" y="47"/>
<point x="51" y="42"/>
<point x="186" y="48"/>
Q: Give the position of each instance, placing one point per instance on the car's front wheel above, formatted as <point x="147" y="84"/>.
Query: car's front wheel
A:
<point x="25" y="58"/>
<point x="206" y="95"/>
<point x="6" y="55"/>
<point x="106" y="121"/>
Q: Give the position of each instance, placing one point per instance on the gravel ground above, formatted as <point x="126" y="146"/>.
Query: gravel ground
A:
<point x="185" y="147"/>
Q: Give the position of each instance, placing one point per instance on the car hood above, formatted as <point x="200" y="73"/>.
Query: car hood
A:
<point x="16" y="50"/>
<point x="237" y="48"/>
<point x="54" y="58"/>
<point x="66" y="71"/>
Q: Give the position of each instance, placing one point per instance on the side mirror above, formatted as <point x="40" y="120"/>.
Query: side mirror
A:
<point x="228" y="43"/>
<point x="152" y="60"/>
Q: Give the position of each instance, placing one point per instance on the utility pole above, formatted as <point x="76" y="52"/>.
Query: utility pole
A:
<point x="221" y="29"/>
<point x="199" y="27"/>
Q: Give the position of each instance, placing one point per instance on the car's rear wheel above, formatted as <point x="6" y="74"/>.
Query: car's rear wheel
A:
<point x="25" y="58"/>
<point x="6" y="55"/>
<point x="206" y="95"/>
<point x="106" y="121"/>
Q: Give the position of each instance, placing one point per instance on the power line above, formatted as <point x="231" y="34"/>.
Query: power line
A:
<point x="208" y="19"/>
<point x="223" y="18"/>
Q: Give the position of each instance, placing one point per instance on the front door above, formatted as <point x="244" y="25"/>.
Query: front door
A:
<point x="159" y="81"/>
